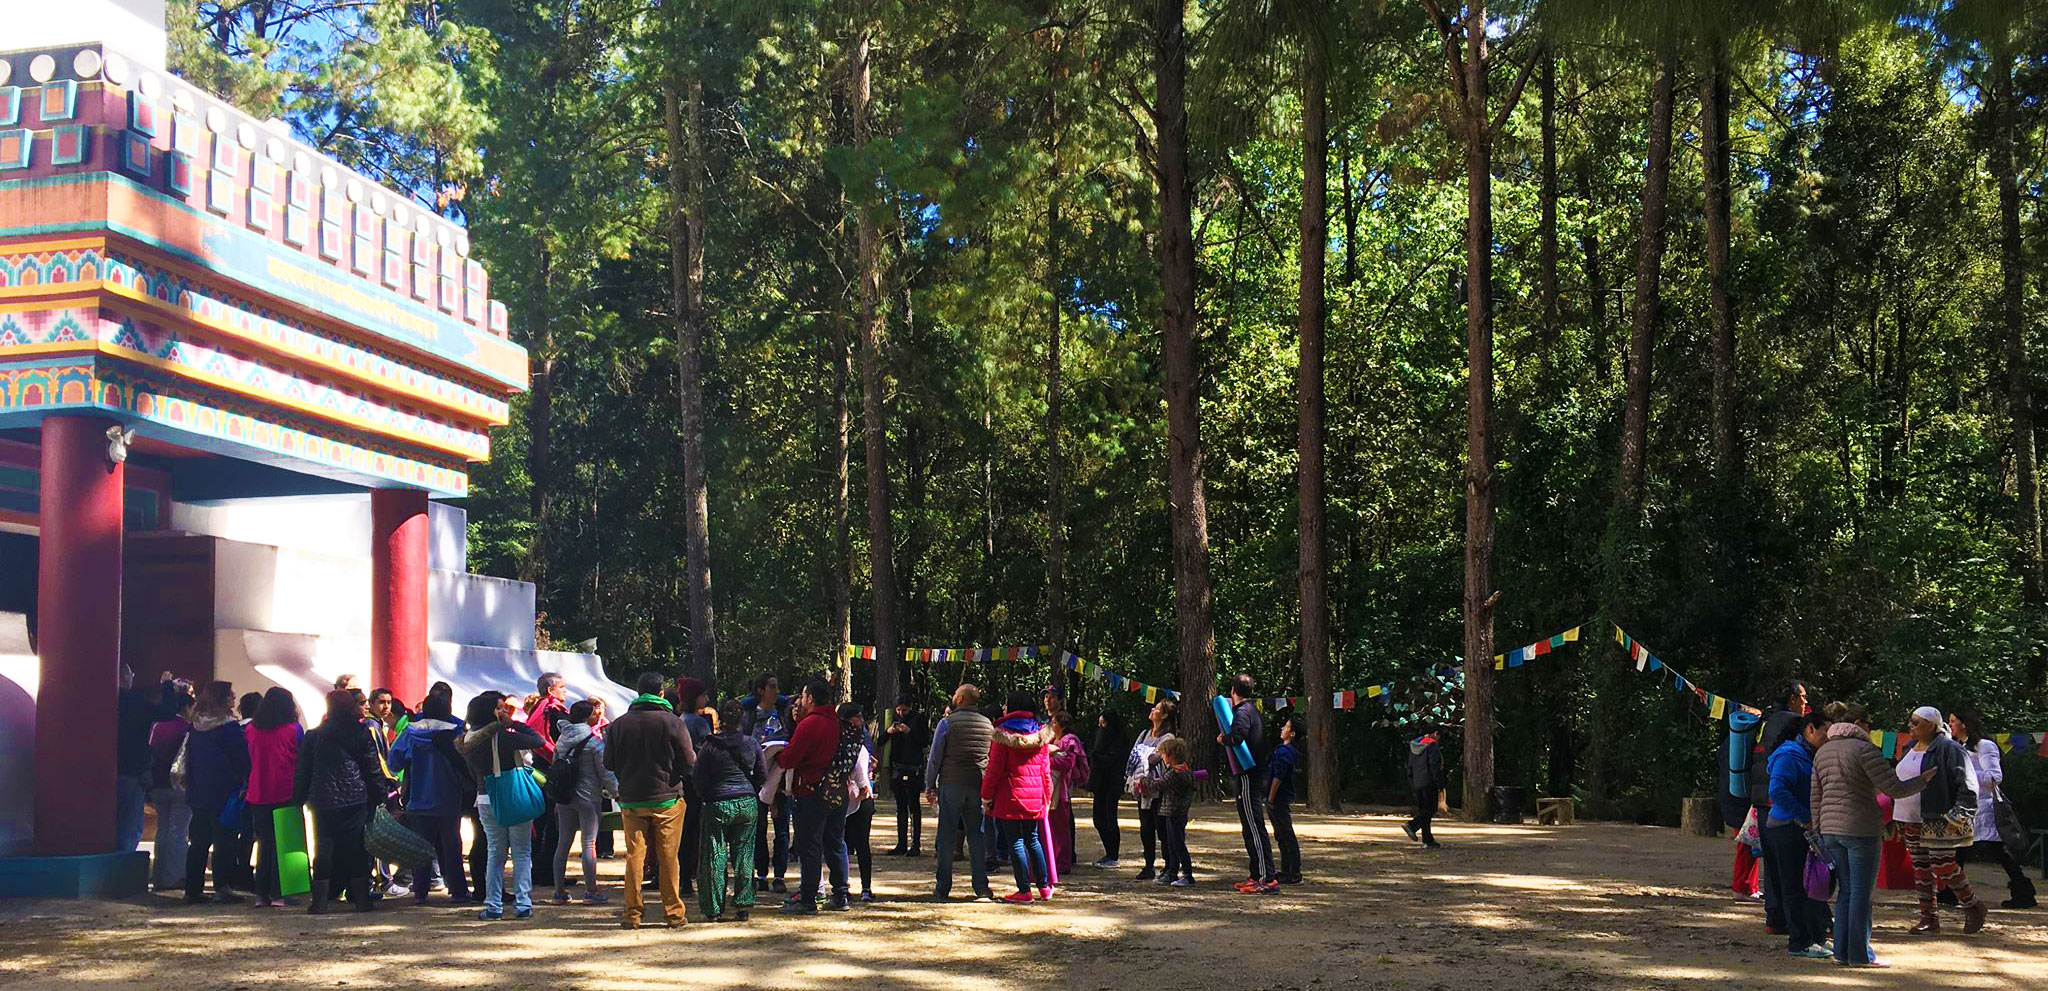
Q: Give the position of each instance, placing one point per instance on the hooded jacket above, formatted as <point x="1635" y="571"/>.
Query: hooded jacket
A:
<point x="1848" y="774"/>
<point x="1425" y="763"/>
<point x="216" y="762"/>
<point x="1779" y="725"/>
<point x="650" y="752"/>
<point x="1018" y="781"/>
<point x="434" y="786"/>
<point x="593" y="779"/>
<point x="1791" y="770"/>
<point x="729" y="766"/>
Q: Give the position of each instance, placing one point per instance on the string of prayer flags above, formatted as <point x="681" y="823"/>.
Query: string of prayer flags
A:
<point x="1522" y="655"/>
<point x="1718" y="706"/>
<point x="2021" y="742"/>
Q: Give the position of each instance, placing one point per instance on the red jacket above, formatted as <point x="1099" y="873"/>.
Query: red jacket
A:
<point x="1019" y="777"/>
<point x="811" y="749"/>
<point x="273" y="760"/>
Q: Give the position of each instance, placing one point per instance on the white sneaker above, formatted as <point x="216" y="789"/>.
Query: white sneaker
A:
<point x="397" y="891"/>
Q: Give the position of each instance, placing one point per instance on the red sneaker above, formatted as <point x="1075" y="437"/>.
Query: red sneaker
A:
<point x="1018" y="898"/>
<point x="1045" y="894"/>
<point x="1247" y="885"/>
<point x="1267" y="887"/>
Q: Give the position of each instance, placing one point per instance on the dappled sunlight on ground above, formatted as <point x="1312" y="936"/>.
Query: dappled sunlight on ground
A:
<point x="1576" y="908"/>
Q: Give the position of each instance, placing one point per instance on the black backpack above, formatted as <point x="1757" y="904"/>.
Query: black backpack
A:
<point x="566" y="773"/>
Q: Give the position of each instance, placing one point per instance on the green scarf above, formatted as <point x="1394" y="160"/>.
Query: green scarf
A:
<point x="656" y="699"/>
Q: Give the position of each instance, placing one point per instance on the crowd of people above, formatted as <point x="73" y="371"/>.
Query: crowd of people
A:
<point x="1829" y="812"/>
<point x="715" y="802"/>
<point x="712" y="802"/>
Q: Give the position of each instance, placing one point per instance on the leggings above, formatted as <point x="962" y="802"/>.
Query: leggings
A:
<point x="1027" y="853"/>
<point x="570" y="819"/>
<point x="859" y="823"/>
<point x="339" y="857"/>
<point x="264" y="826"/>
<point x="1935" y="867"/>
<point x="1148" y="831"/>
<point x="1105" y="822"/>
<point x="207" y="835"/>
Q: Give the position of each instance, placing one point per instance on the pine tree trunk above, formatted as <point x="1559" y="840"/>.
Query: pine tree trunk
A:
<point x="1596" y="284"/>
<point x="1315" y="607"/>
<point x="1190" y="510"/>
<point x="2012" y="311"/>
<point x="881" y="533"/>
<point x="1546" y="225"/>
<point x="1350" y="221"/>
<point x="684" y="105"/>
<point x="1478" y="605"/>
<point x="1055" y="463"/>
<point x="1635" y="427"/>
<point x="840" y="577"/>
<point x="540" y="407"/>
<point x="1714" y="96"/>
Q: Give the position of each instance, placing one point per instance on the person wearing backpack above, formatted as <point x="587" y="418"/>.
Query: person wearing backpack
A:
<point x="439" y="791"/>
<point x="577" y="785"/>
<point x="1070" y="770"/>
<point x="820" y="820"/>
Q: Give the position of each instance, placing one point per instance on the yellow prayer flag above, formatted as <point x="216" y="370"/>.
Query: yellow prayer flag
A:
<point x="1571" y="635"/>
<point x="1620" y="637"/>
<point x="1720" y="706"/>
<point x="1372" y="691"/>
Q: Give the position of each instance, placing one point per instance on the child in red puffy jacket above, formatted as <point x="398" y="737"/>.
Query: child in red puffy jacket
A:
<point x="1016" y="790"/>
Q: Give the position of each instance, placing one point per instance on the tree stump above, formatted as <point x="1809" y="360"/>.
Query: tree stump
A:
<point x="1700" y="817"/>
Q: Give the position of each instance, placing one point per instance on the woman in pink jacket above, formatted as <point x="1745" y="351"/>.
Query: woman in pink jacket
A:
<point x="273" y="738"/>
<point x="1017" y="789"/>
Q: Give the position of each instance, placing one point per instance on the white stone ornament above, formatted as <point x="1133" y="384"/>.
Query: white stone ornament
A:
<point x="41" y="68"/>
<point x="86" y="64"/>
<point x="117" y="70"/>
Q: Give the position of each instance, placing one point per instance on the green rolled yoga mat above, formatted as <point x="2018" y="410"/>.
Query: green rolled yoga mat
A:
<point x="294" y="867"/>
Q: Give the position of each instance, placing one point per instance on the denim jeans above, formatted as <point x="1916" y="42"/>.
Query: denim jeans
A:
<point x="1855" y="862"/>
<point x="960" y="815"/>
<point x="820" y="845"/>
<point x="173" y="820"/>
<point x="773" y="856"/>
<point x="1806" y="920"/>
<point x="1027" y="852"/>
<point x="520" y="840"/>
<point x="128" y="798"/>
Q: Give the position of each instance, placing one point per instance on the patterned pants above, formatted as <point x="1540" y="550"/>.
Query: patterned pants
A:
<point x="1935" y="867"/>
<point x="728" y="836"/>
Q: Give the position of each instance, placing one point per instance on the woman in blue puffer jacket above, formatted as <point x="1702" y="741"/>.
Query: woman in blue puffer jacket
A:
<point x="439" y="791"/>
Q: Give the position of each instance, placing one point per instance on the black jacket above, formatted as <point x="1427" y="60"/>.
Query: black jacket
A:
<point x="135" y="714"/>
<point x="1107" y="755"/>
<point x="649" y="750"/>
<point x="729" y="766"/>
<point x="907" y="749"/>
<point x="1248" y="727"/>
<point x="1950" y="786"/>
<point x="1425" y="763"/>
<point x="338" y="768"/>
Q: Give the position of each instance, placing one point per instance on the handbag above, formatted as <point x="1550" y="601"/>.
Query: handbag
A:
<point x="1819" y="877"/>
<point x="1953" y="831"/>
<point x="515" y="797"/>
<point x="2011" y="831"/>
<point x="234" y="816"/>
<point x="1748" y="835"/>
<point x="389" y="840"/>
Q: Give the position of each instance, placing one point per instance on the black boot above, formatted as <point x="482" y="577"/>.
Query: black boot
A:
<point x="319" y="903"/>
<point x="359" y="893"/>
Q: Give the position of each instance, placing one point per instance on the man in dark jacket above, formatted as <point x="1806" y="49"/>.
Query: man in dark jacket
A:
<point x="1780" y="724"/>
<point x="820" y="825"/>
<point x="959" y="757"/>
<point x="135" y="714"/>
<point x="903" y="746"/>
<point x="1249" y="728"/>
<point x="649" y="751"/>
<point x="1426" y="780"/>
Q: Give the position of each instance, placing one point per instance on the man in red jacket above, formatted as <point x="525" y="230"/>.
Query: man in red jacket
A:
<point x="820" y="825"/>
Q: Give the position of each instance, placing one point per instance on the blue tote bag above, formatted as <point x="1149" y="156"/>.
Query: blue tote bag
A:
<point x="515" y="797"/>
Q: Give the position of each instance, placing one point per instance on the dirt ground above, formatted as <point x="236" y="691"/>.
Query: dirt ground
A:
<point x="1589" y="906"/>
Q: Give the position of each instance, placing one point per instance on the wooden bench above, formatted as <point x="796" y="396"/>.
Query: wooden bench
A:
<point x="1556" y="812"/>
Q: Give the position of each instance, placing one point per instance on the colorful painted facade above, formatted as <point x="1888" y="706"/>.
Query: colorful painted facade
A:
<point x="208" y="279"/>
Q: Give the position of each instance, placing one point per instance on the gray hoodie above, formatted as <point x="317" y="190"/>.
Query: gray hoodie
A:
<point x="593" y="781"/>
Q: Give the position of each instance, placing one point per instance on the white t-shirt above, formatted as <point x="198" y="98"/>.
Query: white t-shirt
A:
<point x="1908" y="809"/>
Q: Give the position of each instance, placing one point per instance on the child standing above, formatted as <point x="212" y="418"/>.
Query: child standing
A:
<point x="1280" y="797"/>
<point x="1176" y="797"/>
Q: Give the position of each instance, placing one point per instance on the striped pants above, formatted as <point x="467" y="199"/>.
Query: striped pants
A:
<point x="1935" y="867"/>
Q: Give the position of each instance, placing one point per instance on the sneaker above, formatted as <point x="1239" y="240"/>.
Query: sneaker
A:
<point x="778" y="887"/>
<point x="491" y="914"/>
<point x="838" y="904"/>
<point x="1247" y="885"/>
<point x="1290" y="879"/>
<point x="1163" y="879"/>
<point x="915" y="852"/>
<point x="438" y="886"/>
<point x="1813" y="953"/>
<point x="1409" y="828"/>
<point x="596" y="898"/>
<point x="1108" y="864"/>
<point x="1182" y="882"/>
<point x="1018" y="898"/>
<point x="397" y="891"/>
<point x="1432" y="845"/>
<point x="867" y="898"/>
<point x="799" y="907"/>
<point x="561" y="898"/>
<point x="1045" y="894"/>
<point x="1147" y="874"/>
<point x="894" y="851"/>
<point x="1266" y="887"/>
<point x="524" y="913"/>
<point x="226" y="898"/>
<point x="743" y="916"/>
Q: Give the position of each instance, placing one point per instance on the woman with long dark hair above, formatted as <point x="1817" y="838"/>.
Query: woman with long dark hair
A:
<point x="272" y="738"/>
<point x="1106" y="756"/>
<point x="1141" y="776"/>
<point x="1967" y="725"/>
<point x="214" y="767"/>
<point x="340" y="778"/>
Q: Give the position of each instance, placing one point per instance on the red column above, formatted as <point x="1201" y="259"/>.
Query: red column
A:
<point x="398" y="593"/>
<point x="78" y="637"/>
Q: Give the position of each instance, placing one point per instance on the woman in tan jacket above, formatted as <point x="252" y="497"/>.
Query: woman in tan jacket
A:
<point x="1848" y="774"/>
